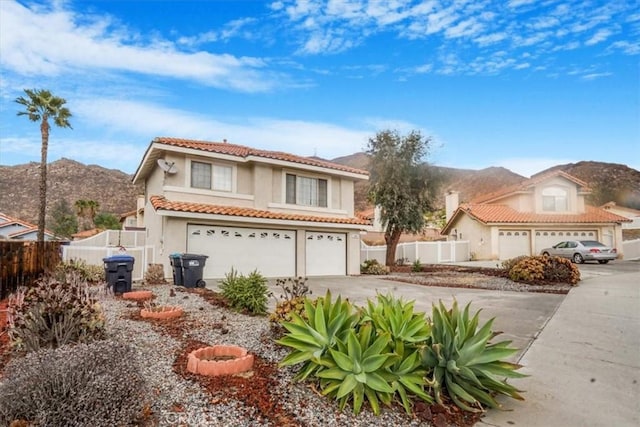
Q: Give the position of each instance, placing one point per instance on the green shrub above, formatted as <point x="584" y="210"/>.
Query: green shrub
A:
<point x="247" y="293"/>
<point x="97" y="384"/>
<point x="544" y="268"/>
<point x="53" y="313"/>
<point x="461" y="360"/>
<point x="416" y="267"/>
<point x="295" y="290"/>
<point x="372" y="266"/>
<point x="87" y="272"/>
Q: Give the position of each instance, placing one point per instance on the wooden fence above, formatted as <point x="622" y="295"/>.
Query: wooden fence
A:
<point x="21" y="264"/>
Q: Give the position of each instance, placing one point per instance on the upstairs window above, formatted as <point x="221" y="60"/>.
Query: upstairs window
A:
<point x="211" y="177"/>
<point x="554" y="199"/>
<point x="305" y="191"/>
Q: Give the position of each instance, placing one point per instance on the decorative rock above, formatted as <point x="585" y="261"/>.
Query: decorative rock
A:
<point x="165" y="312"/>
<point x="199" y="361"/>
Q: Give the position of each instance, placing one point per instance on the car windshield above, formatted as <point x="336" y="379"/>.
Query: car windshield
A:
<point x="591" y="243"/>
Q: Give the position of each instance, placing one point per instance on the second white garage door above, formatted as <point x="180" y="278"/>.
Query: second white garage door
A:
<point x="271" y="252"/>
<point x="326" y="254"/>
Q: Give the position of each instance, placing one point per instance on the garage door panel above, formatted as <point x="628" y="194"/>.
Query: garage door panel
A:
<point x="269" y="251"/>
<point x="548" y="238"/>
<point x="514" y="243"/>
<point x="326" y="254"/>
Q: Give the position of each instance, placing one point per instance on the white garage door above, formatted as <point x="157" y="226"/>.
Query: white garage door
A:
<point x="326" y="254"/>
<point x="514" y="243"/>
<point x="271" y="252"/>
<point x="548" y="238"/>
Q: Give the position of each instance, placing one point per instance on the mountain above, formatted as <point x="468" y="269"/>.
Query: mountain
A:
<point x="68" y="180"/>
<point x="608" y="181"/>
<point x="71" y="180"/>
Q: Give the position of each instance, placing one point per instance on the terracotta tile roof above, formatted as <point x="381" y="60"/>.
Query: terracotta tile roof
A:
<point x="87" y="233"/>
<point x="6" y="220"/>
<point x="491" y="213"/>
<point x="161" y="203"/>
<point x="242" y="151"/>
<point x="528" y="183"/>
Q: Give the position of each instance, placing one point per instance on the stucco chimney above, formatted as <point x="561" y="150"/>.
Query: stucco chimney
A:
<point x="451" y="202"/>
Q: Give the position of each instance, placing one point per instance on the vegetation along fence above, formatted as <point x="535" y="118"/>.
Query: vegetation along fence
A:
<point x="21" y="263"/>
<point x="109" y="243"/>
<point x="426" y="252"/>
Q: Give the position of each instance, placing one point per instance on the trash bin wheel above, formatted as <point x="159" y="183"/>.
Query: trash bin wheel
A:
<point x="201" y="283"/>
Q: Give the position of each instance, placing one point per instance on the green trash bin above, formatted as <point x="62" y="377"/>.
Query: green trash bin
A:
<point x="193" y="270"/>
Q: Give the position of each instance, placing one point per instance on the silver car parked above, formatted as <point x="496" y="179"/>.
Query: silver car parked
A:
<point x="580" y="251"/>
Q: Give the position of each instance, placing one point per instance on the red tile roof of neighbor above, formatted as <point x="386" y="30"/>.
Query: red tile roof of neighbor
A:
<point x="490" y="213"/>
<point x="161" y="203"/>
<point x="242" y="151"/>
<point x="528" y="183"/>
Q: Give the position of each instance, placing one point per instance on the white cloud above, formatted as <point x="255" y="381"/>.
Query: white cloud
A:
<point x="599" y="36"/>
<point x="53" y="42"/>
<point x="593" y="76"/>
<point x="518" y="3"/>
<point x="630" y="48"/>
<point x="465" y="28"/>
<point x="489" y="39"/>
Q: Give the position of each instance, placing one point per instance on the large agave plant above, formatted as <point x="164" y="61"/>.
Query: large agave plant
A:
<point x="406" y="329"/>
<point x="354" y="371"/>
<point x="396" y="317"/>
<point x="461" y="359"/>
<point x="327" y="322"/>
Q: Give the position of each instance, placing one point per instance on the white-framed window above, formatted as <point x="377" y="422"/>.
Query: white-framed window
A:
<point x="211" y="176"/>
<point x="554" y="199"/>
<point x="306" y="191"/>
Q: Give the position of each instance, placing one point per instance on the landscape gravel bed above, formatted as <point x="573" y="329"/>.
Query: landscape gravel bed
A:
<point x="178" y="400"/>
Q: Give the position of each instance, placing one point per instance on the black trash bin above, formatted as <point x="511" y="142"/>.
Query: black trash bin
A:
<point x="117" y="271"/>
<point x="176" y="264"/>
<point x="193" y="269"/>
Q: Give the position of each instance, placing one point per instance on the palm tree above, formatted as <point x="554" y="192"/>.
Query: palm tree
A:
<point x="40" y="105"/>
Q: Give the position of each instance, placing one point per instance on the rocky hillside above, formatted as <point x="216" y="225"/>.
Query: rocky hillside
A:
<point x="69" y="180"/>
<point x="609" y="181"/>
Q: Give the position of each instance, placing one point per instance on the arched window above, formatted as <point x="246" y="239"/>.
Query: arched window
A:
<point x="554" y="199"/>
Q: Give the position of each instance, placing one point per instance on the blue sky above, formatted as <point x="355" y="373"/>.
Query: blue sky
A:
<point x="522" y="84"/>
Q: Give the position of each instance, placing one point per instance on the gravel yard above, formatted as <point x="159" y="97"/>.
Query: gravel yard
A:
<point x="266" y="397"/>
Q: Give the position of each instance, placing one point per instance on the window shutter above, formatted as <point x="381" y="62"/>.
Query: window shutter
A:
<point x="291" y="189"/>
<point x="322" y="193"/>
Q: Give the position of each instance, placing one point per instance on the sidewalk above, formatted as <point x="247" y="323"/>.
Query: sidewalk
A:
<point x="585" y="364"/>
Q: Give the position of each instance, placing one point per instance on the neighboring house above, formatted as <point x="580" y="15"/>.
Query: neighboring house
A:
<point x="16" y="229"/>
<point x="629" y="213"/>
<point x="134" y="220"/>
<point x="527" y="217"/>
<point x="250" y="209"/>
<point x="85" y="234"/>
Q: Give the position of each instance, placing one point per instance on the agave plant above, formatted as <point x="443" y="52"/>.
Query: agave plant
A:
<point x="462" y="360"/>
<point x="406" y="329"/>
<point x="327" y="322"/>
<point x="354" y="370"/>
<point x="396" y="317"/>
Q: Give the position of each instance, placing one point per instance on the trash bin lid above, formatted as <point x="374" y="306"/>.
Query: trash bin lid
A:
<point x="175" y="255"/>
<point x="194" y="256"/>
<point x="119" y="258"/>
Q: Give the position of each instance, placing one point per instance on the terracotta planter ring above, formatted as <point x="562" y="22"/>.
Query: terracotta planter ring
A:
<point x="138" y="295"/>
<point x="166" y="312"/>
<point x="200" y="361"/>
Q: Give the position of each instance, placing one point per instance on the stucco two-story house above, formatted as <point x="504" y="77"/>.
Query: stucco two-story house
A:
<point x="525" y="218"/>
<point x="250" y="209"/>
